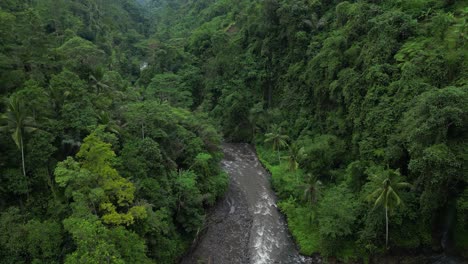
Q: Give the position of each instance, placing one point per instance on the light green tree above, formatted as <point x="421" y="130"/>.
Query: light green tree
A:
<point x="94" y="183"/>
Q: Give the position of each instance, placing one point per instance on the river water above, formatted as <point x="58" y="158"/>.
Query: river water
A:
<point x="246" y="226"/>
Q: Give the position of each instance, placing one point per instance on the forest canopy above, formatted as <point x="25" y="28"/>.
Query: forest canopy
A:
<point x="113" y="113"/>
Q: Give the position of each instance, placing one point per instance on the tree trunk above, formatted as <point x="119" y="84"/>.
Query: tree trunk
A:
<point x="279" y="157"/>
<point x="24" y="167"/>
<point x="253" y="134"/>
<point x="22" y="156"/>
<point x="51" y="183"/>
<point x="386" y="228"/>
<point x="269" y="88"/>
<point x="270" y="91"/>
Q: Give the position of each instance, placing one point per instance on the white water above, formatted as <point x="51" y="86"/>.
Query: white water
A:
<point x="262" y="236"/>
<point x="269" y="240"/>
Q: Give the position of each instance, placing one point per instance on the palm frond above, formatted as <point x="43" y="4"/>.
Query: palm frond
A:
<point x="30" y="129"/>
<point x="395" y="195"/>
<point x="374" y="194"/>
<point x="306" y="193"/>
<point x="379" y="200"/>
<point x="17" y="137"/>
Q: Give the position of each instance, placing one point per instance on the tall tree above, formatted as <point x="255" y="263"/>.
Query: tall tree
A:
<point x="17" y="121"/>
<point x="312" y="191"/>
<point x="295" y="154"/>
<point x="388" y="182"/>
<point x="277" y="140"/>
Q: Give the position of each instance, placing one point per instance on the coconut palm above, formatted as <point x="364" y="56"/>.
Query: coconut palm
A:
<point x="98" y="85"/>
<point x="388" y="183"/>
<point x="277" y="140"/>
<point x="312" y="191"/>
<point x="110" y="125"/>
<point x="295" y="154"/>
<point x="255" y="119"/>
<point x="17" y="122"/>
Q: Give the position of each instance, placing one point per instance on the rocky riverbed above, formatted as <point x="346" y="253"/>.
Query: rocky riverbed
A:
<point x="246" y="226"/>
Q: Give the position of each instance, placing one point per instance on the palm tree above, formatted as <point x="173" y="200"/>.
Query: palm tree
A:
<point x="295" y="154"/>
<point x="277" y="140"/>
<point x="18" y="123"/>
<point x="388" y="183"/>
<point x="110" y="125"/>
<point x="98" y="85"/>
<point x="255" y="115"/>
<point x="312" y="191"/>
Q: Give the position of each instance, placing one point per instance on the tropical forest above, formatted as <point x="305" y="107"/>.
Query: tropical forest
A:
<point x="233" y="131"/>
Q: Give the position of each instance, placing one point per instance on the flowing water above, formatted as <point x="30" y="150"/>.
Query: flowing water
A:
<point x="246" y="226"/>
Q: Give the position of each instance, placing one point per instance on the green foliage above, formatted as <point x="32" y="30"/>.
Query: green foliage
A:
<point x="104" y="165"/>
<point x="93" y="182"/>
<point x="129" y="97"/>
<point x="322" y="154"/>
<point x="305" y="234"/>
<point x="337" y="212"/>
<point x="435" y="114"/>
<point x="189" y="202"/>
<point x="36" y="240"/>
<point x="169" y="87"/>
<point x="434" y="165"/>
<point x="461" y="229"/>
<point x="71" y="103"/>
<point x="98" y="244"/>
<point x="277" y="140"/>
<point x="81" y="55"/>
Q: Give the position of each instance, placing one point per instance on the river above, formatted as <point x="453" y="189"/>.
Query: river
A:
<point x="246" y="226"/>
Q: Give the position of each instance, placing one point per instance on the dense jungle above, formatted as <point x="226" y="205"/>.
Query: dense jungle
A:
<point x="114" y="118"/>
